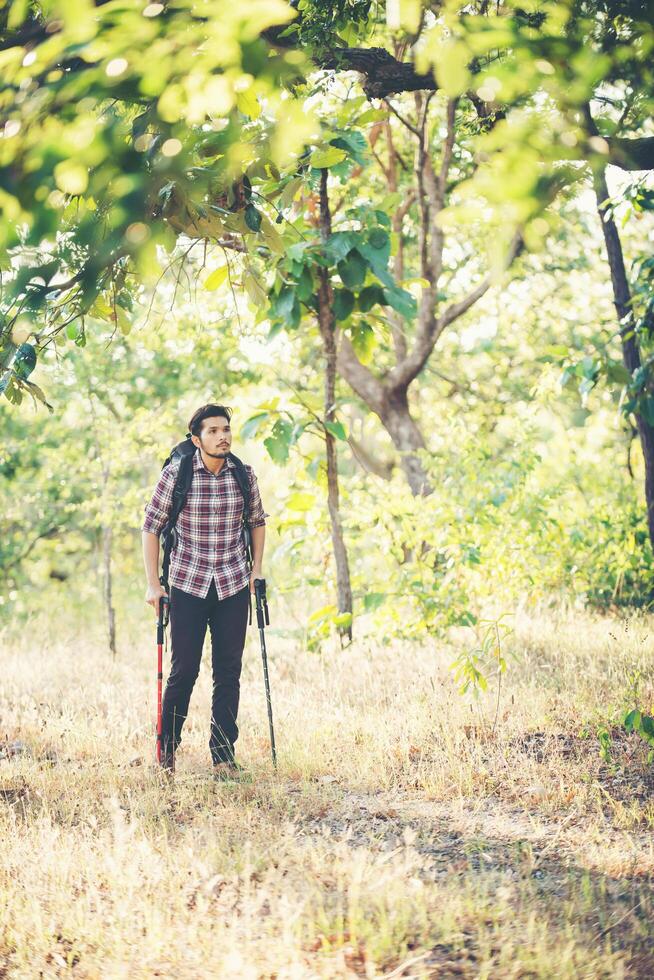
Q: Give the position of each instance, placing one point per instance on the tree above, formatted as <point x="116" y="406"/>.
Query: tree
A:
<point x="554" y="87"/>
<point x="109" y="156"/>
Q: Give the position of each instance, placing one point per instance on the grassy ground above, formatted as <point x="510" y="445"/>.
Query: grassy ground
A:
<point x="402" y="836"/>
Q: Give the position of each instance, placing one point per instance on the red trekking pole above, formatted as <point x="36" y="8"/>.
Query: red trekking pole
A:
<point x="162" y="622"/>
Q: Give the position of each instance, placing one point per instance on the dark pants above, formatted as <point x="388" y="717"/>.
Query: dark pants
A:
<point x="227" y="620"/>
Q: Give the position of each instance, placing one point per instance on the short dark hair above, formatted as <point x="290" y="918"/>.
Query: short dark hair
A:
<point x="206" y="412"/>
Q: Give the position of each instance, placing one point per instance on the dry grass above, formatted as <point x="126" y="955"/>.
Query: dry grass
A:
<point x="402" y="836"/>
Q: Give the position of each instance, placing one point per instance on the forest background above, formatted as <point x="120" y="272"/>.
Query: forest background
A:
<point x="480" y="364"/>
<point x="411" y="245"/>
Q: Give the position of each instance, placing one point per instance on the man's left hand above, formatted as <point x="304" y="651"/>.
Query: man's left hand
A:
<point x="256" y="573"/>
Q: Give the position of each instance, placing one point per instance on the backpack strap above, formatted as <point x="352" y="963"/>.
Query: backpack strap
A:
<point x="243" y="481"/>
<point x="180" y="491"/>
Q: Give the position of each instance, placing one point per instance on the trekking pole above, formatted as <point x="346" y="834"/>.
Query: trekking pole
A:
<point x="264" y="620"/>
<point x="162" y="622"/>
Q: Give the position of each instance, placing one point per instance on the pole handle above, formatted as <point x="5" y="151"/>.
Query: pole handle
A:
<point x="263" y="619"/>
<point x="164" y="616"/>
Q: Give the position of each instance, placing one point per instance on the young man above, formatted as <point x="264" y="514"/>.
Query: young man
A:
<point x="209" y="581"/>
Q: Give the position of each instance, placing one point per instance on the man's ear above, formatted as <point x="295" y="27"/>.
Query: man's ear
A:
<point x="195" y="441"/>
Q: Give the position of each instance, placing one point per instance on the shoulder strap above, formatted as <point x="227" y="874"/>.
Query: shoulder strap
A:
<point x="183" y="482"/>
<point x="243" y="481"/>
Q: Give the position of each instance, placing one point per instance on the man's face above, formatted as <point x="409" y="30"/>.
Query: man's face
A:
<point x="216" y="437"/>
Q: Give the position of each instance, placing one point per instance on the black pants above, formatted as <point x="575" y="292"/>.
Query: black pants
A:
<point x="227" y="620"/>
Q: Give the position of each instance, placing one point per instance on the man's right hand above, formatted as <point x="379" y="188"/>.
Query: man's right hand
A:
<point x="152" y="596"/>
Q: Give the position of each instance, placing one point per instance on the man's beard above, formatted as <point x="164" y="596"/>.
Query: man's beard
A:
<point x="219" y="455"/>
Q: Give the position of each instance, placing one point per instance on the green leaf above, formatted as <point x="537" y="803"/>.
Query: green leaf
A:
<point x="279" y="442"/>
<point x="647" y="727"/>
<point x="405" y="14"/>
<point x="339" y="244"/>
<point x="295" y="315"/>
<point x="452" y="58"/>
<point x="378" y="238"/>
<point x="248" y="104"/>
<point x="289" y="192"/>
<point x="363" y="340"/>
<point x="370" y="296"/>
<point x="319" y="614"/>
<point x="216" y="278"/>
<point x="371" y="115"/>
<point x="617" y="373"/>
<point x="296" y="251"/>
<point x="252" y="218"/>
<point x="377" y="257"/>
<point x="632" y="720"/>
<point x="343" y="303"/>
<point x="373" y="600"/>
<point x="271" y="236"/>
<point x="466" y="618"/>
<point x="251" y="425"/>
<point x="401" y="300"/>
<point x="301" y="501"/>
<point x="337" y="429"/>
<point x="579" y="416"/>
<point x="327" y="157"/>
<point x="354" y="143"/>
<point x="277" y="449"/>
<point x="24" y="360"/>
<point x="352" y="269"/>
<point x="304" y="287"/>
<point x="37" y="393"/>
<point x="282" y="305"/>
<point x="124" y="325"/>
<point x="557" y="350"/>
<point x="256" y="293"/>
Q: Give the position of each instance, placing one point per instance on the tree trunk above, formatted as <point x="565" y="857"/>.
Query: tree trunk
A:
<point x="630" y="348"/>
<point x="328" y="331"/>
<point x="107" y="536"/>
<point x="407" y="438"/>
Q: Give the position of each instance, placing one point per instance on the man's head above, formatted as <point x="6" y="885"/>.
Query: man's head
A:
<point x="210" y="430"/>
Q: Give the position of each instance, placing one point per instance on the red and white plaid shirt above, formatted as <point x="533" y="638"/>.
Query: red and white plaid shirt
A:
<point x="210" y="542"/>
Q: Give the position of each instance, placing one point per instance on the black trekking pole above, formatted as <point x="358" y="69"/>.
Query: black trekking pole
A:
<point x="264" y="620"/>
<point x="162" y="622"/>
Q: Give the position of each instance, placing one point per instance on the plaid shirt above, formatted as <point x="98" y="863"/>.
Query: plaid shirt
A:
<point x="210" y="542"/>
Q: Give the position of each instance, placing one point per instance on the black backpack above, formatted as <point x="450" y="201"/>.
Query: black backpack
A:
<point x="184" y="451"/>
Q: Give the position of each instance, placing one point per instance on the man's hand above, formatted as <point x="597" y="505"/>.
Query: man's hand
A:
<point x="152" y="596"/>
<point x="256" y="573"/>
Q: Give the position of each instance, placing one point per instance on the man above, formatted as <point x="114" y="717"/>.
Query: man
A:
<point x="209" y="581"/>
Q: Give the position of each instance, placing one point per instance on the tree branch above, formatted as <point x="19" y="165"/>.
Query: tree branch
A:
<point x="360" y="378"/>
<point x="455" y="310"/>
<point x="49" y="532"/>
<point x="431" y="327"/>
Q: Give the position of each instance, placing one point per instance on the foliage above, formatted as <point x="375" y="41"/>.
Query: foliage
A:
<point x="116" y="418"/>
<point x="643" y="724"/>
<point x="128" y="183"/>
<point x="472" y="665"/>
<point x="109" y="156"/>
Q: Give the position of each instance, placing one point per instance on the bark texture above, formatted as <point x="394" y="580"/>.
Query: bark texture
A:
<point x="630" y="348"/>
<point x="327" y="327"/>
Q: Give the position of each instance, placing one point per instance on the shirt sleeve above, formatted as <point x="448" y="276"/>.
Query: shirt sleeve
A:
<point x="157" y="511"/>
<point x="257" y="513"/>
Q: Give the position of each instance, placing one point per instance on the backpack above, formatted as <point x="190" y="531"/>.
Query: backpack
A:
<point x="184" y="451"/>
